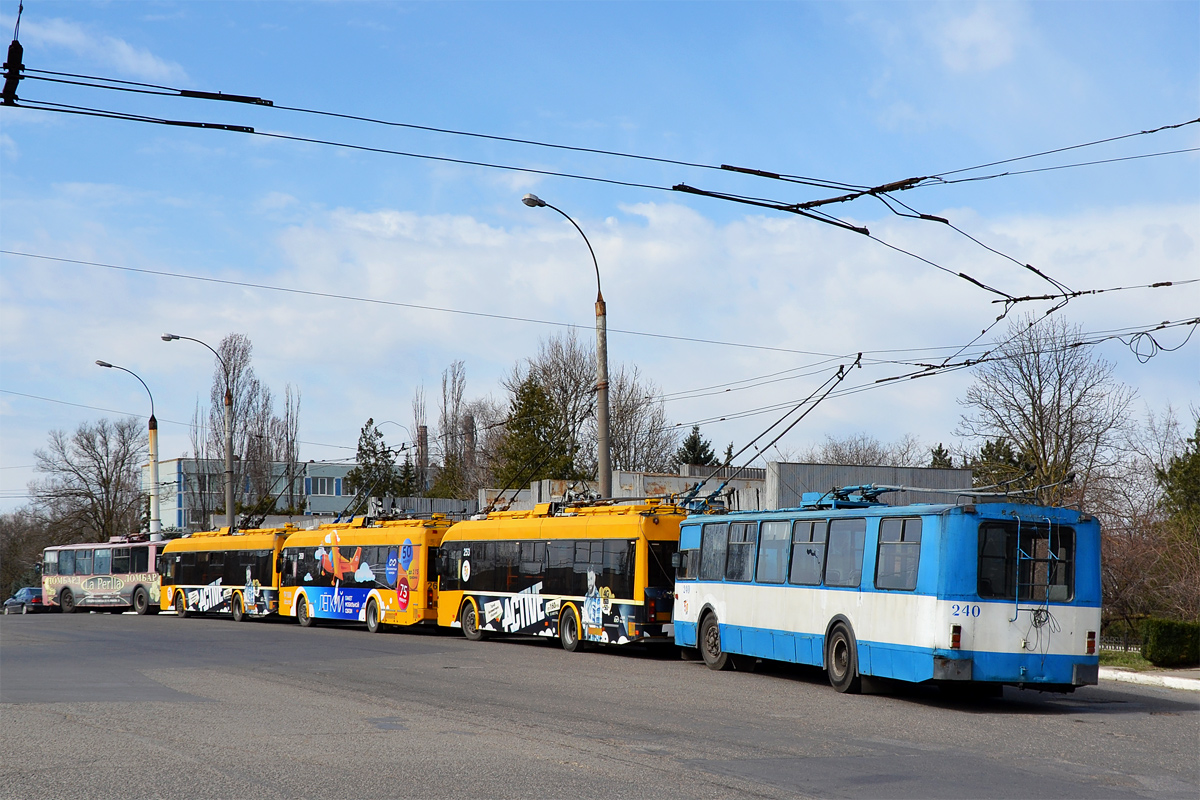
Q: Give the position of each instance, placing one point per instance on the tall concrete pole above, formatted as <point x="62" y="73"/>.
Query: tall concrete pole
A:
<point x="603" y="450"/>
<point x="229" y="510"/>
<point x="155" y="517"/>
<point x="155" y="520"/>
<point x="228" y="454"/>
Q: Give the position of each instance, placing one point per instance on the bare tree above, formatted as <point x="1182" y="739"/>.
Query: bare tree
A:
<point x="566" y="371"/>
<point x="862" y="449"/>
<point x="23" y="536"/>
<point x="285" y="447"/>
<point x="93" y="484"/>
<point x="1150" y="561"/>
<point x="641" y="436"/>
<point x="1053" y="401"/>
<point x="261" y="440"/>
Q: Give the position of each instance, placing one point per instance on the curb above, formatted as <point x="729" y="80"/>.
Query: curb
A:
<point x="1150" y="679"/>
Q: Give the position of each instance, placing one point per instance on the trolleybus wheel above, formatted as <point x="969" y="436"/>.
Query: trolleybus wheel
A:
<point x="373" y="617"/>
<point x="568" y="631"/>
<point x="841" y="660"/>
<point x="469" y="620"/>
<point x="239" y="608"/>
<point x="710" y="644"/>
<point x="67" y="601"/>
<point x="141" y="601"/>
<point x="302" y="616"/>
<point x="181" y="609"/>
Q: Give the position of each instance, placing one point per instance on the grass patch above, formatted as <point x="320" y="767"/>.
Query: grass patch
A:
<point x="1117" y="658"/>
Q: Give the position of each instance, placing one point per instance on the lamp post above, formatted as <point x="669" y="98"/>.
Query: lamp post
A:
<point x="603" y="462"/>
<point x="170" y="337"/>
<point x="155" y="518"/>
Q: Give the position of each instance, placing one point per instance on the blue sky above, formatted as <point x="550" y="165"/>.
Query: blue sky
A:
<point x="858" y="93"/>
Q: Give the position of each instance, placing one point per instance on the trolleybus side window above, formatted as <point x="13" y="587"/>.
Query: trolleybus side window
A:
<point x="899" y="554"/>
<point x="739" y="564"/>
<point x="50" y="563"/>
<point x="773" y="540"/>
<point x="120" y="561"/>
<point x="508" y="567"/>
<point x="102" y="562"/>
<point x="619" y="557"/>
<point x="560" y="567"/>
<point x="139" y="559"/>
<point x="83" y="562"/>
<point x="808" y="552"/>
<point x="533" y="558"/>
<point x="714" y="540"/>
<point x="843" y="566"/>
<point x="66" y="562"/>
<point x="1038" y="559"/>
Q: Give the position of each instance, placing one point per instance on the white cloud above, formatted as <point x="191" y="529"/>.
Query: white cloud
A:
<point x="127" y="59"/>
<point x="981" y="40"/>
<point x="765" y="280"/>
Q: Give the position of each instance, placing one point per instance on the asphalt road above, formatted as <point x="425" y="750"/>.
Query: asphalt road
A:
<point x="99" y="706"/>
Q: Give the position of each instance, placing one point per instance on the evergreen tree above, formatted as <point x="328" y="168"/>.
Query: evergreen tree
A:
<point x="450" y="481"/>
<point x="1180" y="483"/>
<point x="696" y="450"/>
<point x="374" y="475"/>
<point x="940" y="458"/>
<point x="406" y="479"/>
<point x="997" y="464"/>
<point x="728" y="454"/>
<point x="534" y="445"/>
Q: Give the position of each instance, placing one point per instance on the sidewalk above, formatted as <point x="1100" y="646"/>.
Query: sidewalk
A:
<point x="1186" y="679"/>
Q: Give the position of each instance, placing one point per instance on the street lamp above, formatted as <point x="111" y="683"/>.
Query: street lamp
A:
<point x="603" y="463"/>
<point x="170" y="337"/>
<point x="155" y="519"/>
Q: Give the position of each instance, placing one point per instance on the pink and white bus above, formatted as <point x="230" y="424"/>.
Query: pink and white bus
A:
<point x="116" y="576"/>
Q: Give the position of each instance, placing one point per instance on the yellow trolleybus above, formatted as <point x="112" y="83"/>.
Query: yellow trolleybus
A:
<point x="584" y="574"/>
<point x="382" y="573"/>
<point x="222" y="573"/>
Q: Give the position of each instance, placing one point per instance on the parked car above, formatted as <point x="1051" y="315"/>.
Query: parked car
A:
<point x="25" y="601"/>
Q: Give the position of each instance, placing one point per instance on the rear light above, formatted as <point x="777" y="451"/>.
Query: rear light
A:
<point x="651" y="610"/>
<point x="1091" y="645"/>
<point x="955" y="637"/>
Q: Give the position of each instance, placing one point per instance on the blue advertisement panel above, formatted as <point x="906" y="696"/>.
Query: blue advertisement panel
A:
<point x="337" y="602"/>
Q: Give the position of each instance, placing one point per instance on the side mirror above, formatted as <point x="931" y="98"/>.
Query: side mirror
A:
<point x="676" y="560"/>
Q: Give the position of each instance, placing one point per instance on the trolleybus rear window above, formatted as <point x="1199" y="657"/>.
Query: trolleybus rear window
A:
<point x="1026" y="561"/>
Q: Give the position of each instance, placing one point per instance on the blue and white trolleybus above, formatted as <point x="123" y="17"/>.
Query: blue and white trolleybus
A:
<point x="958" y="595"/>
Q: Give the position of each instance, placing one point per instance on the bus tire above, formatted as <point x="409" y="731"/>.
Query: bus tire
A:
<point x="710" y="644"/>
<point x="67" y="601"/>
<point x="373" y="623"/>
<point x="568" y="631"/>
<point x="302" y="616"/>
<point x="141" y="601"/>
<point x="841" y="660"/>
<point x="237" y="608"/>
<point x="468" y="618"/>
<point x="181" y="609"/>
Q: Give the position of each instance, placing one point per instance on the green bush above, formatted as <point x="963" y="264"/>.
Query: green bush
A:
<point x="1167" y="643"/>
